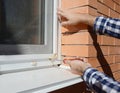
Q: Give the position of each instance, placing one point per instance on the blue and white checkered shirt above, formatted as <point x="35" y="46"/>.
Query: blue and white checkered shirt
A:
<point x="108" y="26"/>
<point x="97" y="81"/>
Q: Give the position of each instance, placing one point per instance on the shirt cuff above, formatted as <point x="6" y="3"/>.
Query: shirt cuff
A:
<point x="87" y="75"/>
<point x="100" y="24"/>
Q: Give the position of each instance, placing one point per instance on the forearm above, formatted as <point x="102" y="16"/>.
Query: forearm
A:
<point x="100" y="82"/>
<point x="90" y="20"/>
<point x="87" y="19"/>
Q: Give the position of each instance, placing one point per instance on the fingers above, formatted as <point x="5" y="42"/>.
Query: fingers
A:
<point x="66" y="61"/>
<point x="60" y="9"/>
<point x="69" y="61"/>
<point x="84" y="60"/>
<point x="60" y="13"/>
<point x="77" y="65"/>
<point x="65" y="23"/>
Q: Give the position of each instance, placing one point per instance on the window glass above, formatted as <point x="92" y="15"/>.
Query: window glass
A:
<point x="23" y="19"/>
<point x="25" y="26"/>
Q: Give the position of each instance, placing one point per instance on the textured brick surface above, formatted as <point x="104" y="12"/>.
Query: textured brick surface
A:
<point x="100" y="0"/>
<point x="117" y="7"/>
<point x="106" y="40"/>
<point x="73" y="3"/>
<point x="115" y="67"/>
<point x="117" y="75"/>
<point x="102" y="9"/>
<point x="109" y="3"/>
<point x="75" y="50"/>
<point x="77" y="38"/>
<point x="105" y="51"/>
<point x="113" y="14"/>
<point x="114" y="50"/>
<point x="117" y="59"/>
<point x="117" y="42"/>
<point x="66" y="4"/>
<point x="117" y="1"/>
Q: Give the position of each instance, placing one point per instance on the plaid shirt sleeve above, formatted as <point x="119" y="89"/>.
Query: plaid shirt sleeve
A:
<point x="108" y="26"/>
<point x="99" y="82"/>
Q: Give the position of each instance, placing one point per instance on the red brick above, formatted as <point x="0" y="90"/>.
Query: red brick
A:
<point x="85" y="9"/>
<point x="82" y="50"/>
<point x="119" y="66"/>
<point x="114" y="67"/>
<point x="103" y="9"/>
<point x="75" y="50"/>
<point x="109" y="59"/>
<point x="99" y="14"/>
<point x="77" y="38"/>
<point x="117" y="58"/>
<point x="93" y="3"/>
<point x="99" y="39"/>
<point x="92" y="11"/>
<point x="94" y="51"/>
<point x="116" y="75"/>
<point x="117" y="42"/>
<point x="66" y="4"/>
<point x="80" y="10"/>
<point x="117" y="8"/>
<point x="100" y="0"/>
<point x="114" y="50"/>
<point x="106" y="40"/>
<point x="73" y="3"/>
<point x="81" y="43"/>
<point x="76" y="28"/>
<point x="93" y="61"/>
<point x="117" y="1"/>
<point x="113" y="14"/>
<point x="109" y="3"/>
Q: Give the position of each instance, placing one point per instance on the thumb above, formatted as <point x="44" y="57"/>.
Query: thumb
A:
<point x="65" y="23"/>
<point x="66" y="61"/>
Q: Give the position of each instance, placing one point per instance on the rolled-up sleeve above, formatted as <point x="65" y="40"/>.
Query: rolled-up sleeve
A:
<point x="108" y="26"/>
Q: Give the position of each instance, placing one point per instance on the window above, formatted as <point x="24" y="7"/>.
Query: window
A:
<point x="28" y="37"/>
<point x="27" y="30"/>
<point x="27" y="27"/>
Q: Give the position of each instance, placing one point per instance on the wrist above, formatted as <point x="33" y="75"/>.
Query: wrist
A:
<point x="91" y="20"/>
<point x="86" y="66"/>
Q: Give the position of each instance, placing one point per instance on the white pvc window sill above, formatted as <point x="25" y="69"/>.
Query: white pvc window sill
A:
<point x="37" y="81"/>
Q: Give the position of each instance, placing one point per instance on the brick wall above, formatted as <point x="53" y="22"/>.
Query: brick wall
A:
<point x="101" y="51"/>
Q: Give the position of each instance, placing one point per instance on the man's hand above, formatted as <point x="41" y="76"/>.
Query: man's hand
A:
<point x="68" y="18"/>
<point x="77" y="66"/>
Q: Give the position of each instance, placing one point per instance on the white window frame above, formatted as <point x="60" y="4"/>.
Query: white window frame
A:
<point x="39" y="80"/>
<point x="13" y="63"/>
